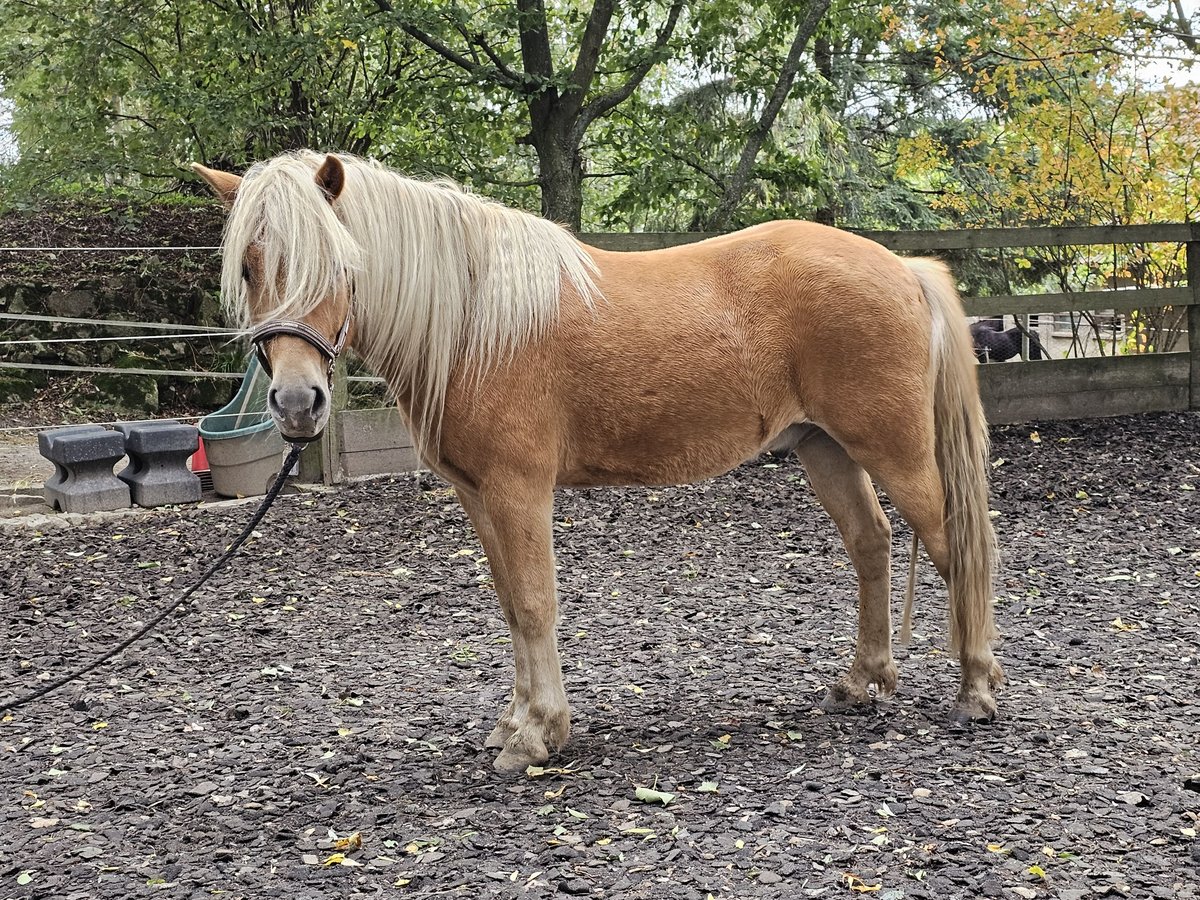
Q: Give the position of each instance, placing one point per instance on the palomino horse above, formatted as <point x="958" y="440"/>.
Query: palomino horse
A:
<point x="524" y="360"/>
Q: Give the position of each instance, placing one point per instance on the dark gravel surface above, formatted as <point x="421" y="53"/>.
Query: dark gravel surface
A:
<point x="315" y="729"/>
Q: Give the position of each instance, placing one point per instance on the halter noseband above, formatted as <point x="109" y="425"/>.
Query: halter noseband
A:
<point x="264" y="332"/>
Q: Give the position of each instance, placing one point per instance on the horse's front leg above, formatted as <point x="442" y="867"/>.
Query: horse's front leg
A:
<point x="514" y="525"/>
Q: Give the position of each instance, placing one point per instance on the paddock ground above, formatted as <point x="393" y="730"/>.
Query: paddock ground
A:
<point x="314" y="729"/>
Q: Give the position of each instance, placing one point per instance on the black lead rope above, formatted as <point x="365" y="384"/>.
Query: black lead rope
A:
<point x="272" y="493"/>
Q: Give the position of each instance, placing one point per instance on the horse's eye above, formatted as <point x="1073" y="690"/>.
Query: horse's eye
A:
<point x="245" y="273"/>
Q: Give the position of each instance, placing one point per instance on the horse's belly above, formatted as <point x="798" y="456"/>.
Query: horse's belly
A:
<point x="676" y="449"/>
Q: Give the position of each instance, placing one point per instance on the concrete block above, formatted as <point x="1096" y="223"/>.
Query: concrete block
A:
<point x="83" y="479"/>
<point x="158" y="451"/>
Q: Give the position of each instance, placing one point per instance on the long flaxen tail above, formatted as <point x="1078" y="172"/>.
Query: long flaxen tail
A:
<point x="961" y="448"/>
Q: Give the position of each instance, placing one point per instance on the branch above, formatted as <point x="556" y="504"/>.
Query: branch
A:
<point x="499" y="63"/>
<point x="502" y="76"/>
<point x="735" y="187"/>
<point x="535" y="39"/>
<point x="602" y="104"/>
<point x="588" y="57"/>
<point x="1185" y="28"/>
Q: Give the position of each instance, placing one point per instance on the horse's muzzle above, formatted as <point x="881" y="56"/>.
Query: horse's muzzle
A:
<point x="300" y="411"/>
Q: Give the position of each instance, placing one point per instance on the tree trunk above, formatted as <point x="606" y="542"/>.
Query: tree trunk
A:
<point x="560" y="172"/>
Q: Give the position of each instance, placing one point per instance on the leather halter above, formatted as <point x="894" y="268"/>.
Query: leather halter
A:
<point x="264" y="332"/>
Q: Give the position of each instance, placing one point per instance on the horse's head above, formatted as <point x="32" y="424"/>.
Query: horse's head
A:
<point x="300" y="312"/>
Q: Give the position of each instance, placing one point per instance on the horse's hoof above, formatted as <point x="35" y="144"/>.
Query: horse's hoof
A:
<point x="522" y="750"/>
<point x="973" y="712"/>
<point x="840" y="699"/>
<point x="514" y="761"/>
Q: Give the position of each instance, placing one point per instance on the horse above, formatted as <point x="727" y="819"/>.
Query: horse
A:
<point x="995" y="344"/>
<point x="524" y="360"/>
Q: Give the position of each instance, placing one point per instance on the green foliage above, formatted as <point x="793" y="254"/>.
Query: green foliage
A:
<point x="909" y="114"/>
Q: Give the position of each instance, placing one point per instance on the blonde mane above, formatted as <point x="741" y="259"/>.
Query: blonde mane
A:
<point x="440" y="277"/>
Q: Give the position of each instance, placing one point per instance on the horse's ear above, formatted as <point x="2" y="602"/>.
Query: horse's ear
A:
<point x="331" y="177"/>
<point x="223" y="184"/>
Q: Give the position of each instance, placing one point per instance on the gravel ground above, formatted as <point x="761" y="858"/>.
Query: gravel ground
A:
<point x="314" y="729"/>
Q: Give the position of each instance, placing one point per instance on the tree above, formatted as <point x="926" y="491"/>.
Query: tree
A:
<point x="610" y="61"/>
<point x="140" y="88"/>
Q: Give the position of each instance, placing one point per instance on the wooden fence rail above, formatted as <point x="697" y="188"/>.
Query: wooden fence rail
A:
<point x="361" y="442"/>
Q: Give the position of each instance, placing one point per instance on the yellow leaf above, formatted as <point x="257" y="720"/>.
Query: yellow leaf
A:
<point x="1035" y="437"/>
<point x="1037" y="871"/>
<point x="859" y="886"/>
<point x="349" y="44"/>
<point x="99" y="725"/>
<point x="997" y="848"/>
<point x="335" y="859"/>
<point x="604" y="842"/>
<point x="635" y="688"/>
<point x="354" y="842"/>
<point x="550" y="795"/>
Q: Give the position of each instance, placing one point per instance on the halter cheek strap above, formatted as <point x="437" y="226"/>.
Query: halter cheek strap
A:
<point x="260" y="335"/>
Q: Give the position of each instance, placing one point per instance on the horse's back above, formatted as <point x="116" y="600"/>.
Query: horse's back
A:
<point x="699" y="356"/>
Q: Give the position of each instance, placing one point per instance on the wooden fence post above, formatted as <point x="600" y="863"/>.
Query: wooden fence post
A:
<point x="1193" y="316"/>
<point x="322" y="459"/>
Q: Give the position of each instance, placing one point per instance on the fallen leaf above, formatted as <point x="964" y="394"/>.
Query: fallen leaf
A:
<point x="25" y="878"/>
<point x="539" y="771"/>
<point x="649" y="795"/>
<point x="859" y="886"/>
<point x="708" y="787"/>
<point x="353" y="842"/>
<point x="40" y="822"/>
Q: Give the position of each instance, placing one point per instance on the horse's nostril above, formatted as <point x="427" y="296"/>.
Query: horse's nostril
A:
<point x="319" y="402"/>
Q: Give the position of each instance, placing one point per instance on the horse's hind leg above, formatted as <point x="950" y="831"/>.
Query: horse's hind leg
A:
<point x="913" y="484"/>
<point x="846" y="492"/>
<point x="517" y="523"/>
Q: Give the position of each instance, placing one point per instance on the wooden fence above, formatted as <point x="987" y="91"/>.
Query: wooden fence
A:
<point x="361" y="442"/>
